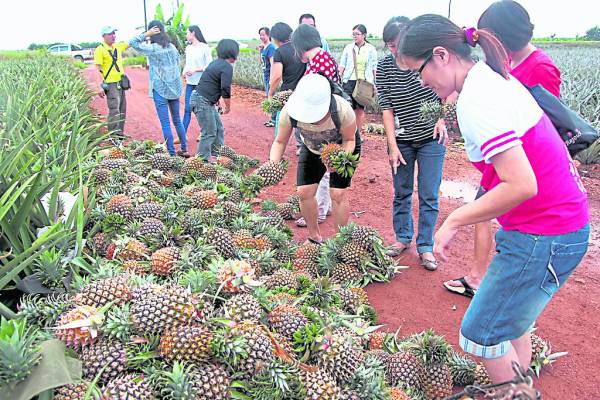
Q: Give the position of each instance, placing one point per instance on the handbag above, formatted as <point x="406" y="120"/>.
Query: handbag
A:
<point x="125" y="82"/>
<point x="577" y="133"/>
<point x="364" y="91"/>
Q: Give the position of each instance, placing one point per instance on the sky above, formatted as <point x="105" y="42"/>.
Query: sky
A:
<point x="74" y="21"/>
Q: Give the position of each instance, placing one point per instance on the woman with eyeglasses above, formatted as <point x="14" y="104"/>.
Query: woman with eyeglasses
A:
<point x="533" y="189"/>
<point x="358" y="61"/>
<point x="411" y="139"/>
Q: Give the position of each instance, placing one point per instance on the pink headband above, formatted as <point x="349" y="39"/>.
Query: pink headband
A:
<point x="472" y="36"/>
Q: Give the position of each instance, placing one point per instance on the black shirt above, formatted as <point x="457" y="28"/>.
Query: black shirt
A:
<point x="215" y="81"/>
<point x="293" y="67"/>
<point x="400" y="91"/>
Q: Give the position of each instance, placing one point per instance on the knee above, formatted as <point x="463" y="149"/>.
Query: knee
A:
<point x="338" y="195"/>
<point x="306" y="192"/>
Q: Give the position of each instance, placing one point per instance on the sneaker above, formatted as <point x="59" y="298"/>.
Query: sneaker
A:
<point x="183" y="154"/>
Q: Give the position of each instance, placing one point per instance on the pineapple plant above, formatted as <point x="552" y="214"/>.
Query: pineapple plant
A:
<point x="272" y="172"/>
<point x="79" y="327"/>
<point x="186" y="344"/>
<point x="99" y="293"/>
<point x="43" y="311"/>
<point x="50" y="268"/>
<point x="163" y="261"/>
<point x="120" y="204"/>
<point x="19" y="351"/>
<point x="118" y="324"/>
<point x="339" y="357"/>
<point x="541" y="354"/>
<point x="335" y="158"/>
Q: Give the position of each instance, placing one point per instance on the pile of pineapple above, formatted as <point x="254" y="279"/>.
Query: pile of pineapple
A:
<point x="277" y="102"/>
<point x="192" y="293"/>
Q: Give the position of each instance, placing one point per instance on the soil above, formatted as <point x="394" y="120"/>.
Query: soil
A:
<point x="415" y="300"/>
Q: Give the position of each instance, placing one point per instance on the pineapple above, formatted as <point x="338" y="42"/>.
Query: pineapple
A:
<point x="101" y="292"/>
<point x="462" y="369"/>
<point x="74" y="391"/>
<point x="404" y="367"/>
<point x="431" y="110"/>
<point x="272" y="172"/>
<point x="211" y="381"/>
<point x="205" y="199"/>
<point x="162" y="162"/>
<point x="109" y="353"/>
<point x="79" y="326"/>
<point x="119" y="164"/>
<point x="167" y="178"/>
<point x="541" y="354"/>
<point x="376" y="340"/>
<point x="19" y="352"/>
<point x="228" y="152"/>
<point x="120" y="204"/>
<point x="133" y="179"/>
<point x="230" y="210"/>
<point x="380" y="355"/>
<point x="101" y="176"/>
<point x="339" y="357"/>
<point x="434" y="351"/>
<point x="243" y="239"/>
<point x="286" y="210"/>
<point x="155" y="308"/>
<point x="242" y="307"/>
<point x="307" y="266"/>
<point x="208" y="172"/>
<point x="319" y="385"/>
<point x="309" y="251"/>
<point x="334" y="157"/>
<point x="163" y="260"/>
<point x="133" y="250"/>
<point x="151" y="227"/>
<point x="262" y="242"/>
<point x="398" y="394"/>
<point x="281" y="278"/>
<point x="344" y="274"/>
<point x="481" y="376"/>
<point x="352" y="254"/>
<point x="365" y="236"/>
<point x="131" y="386"/>
<point x="223" y="242"/>
<point x="147" y="210"/>
<point x="136" y="267"/>
<point x="116" y="152"/>
<point x="261" y="350"/>
<point x="225" y="162"/>
<point x="287" y="319"/>
<point x="186" y="344"/>
<point x="100" y="243"/>
<point x="294" y="200"/>
<point x="192" y="164"/>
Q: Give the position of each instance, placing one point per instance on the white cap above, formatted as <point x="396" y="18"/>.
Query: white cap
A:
<point x="309" y="102"/>
<point x="107" y="29"/>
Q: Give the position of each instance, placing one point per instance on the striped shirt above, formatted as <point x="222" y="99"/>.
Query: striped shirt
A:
<point x="401" y="92"/>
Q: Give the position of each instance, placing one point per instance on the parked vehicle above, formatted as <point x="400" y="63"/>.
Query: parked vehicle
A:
<point x="72" y="50"/>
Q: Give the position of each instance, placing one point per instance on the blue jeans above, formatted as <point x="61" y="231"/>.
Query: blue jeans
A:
<point x="520" y="281"/>
<point x="430" y="157"/>
<point x="266" y="77"/>
<point x="187" y="110"/>
<point x="163" y="106"/>
<point x="212" y="136"/>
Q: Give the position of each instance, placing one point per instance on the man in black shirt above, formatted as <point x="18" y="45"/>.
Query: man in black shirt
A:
<point x="214" y="84"/>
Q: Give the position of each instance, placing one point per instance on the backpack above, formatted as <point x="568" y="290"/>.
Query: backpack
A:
<point x="576" y="132"/>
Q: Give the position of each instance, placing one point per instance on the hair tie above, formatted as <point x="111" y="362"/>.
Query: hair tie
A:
<point x="472" y="36"/>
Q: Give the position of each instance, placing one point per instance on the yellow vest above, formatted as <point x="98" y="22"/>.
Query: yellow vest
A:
<point x="103" y="58"/>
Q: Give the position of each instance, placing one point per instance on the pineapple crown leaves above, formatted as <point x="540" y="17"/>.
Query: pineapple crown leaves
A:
<point x="308" y="339"/>
<point x="19" y="353"/>
<point x="177" y="384"/>
<point x="276" y="381"/>
<point x="51" y="267"/>
<point x="43" y="311"/>
<point x="369" y="380"/>
<point x="118" y="323"/>
<point x="228" y="347"/>
<point x="431" y="110"/>
<point x="429" y="347"/>
<point x="322" y="293"/>
<point x="345" y="163"/>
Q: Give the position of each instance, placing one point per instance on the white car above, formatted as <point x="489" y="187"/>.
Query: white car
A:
<point x="72" y="50"/>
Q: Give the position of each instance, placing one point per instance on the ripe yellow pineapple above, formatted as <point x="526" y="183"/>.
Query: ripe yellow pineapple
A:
<point x="156" y="307"/>
<point x="225" y="162"/>
<point x="319" y="385"/>
<point x="205" y="199"/>
<point x="120" y="204"/>
<point x="376" y="340"/>
<point x="101" y="292"/>
<point x="186" y="343"/>
<point x="79" y="326"/>
<point x="133" y="250"/>
<point x="163" y="260"/>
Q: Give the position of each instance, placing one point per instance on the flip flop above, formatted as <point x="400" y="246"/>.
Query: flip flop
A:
<point x="301" y="222"/>
<point x="313" y="241"/>
<point x="395" y="251"/>
<point x="464" y="290"/>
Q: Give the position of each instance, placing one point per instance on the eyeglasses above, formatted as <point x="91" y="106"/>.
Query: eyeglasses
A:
<point x="420" y="70"/>
<point x="356" y="33"/>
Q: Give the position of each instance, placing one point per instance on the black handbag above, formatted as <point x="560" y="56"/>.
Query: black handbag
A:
<point x="577" y="133"/>
<point x="125" y="82"/>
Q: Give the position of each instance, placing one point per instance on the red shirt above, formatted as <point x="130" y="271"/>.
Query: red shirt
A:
<point x="324" y="63"/>
<point x="538" y="69"/>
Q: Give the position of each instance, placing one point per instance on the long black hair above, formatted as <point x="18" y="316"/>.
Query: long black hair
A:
<point x="305" y="38"/>
<point x="162" y="39"/>
<point x="195" y="29"/>
<point x="424" y="33"/>
<point x="362" y="29"/>
<point x="510" y="22"/>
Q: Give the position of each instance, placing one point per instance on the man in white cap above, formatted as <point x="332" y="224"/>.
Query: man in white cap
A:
<point x="108" y="58"/>
<point x="322" y="118"/>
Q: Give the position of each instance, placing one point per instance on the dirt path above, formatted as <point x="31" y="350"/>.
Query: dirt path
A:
<point x="415" y="300"/>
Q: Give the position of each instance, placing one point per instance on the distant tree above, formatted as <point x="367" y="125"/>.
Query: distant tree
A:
<point x="593" y="33"/>
<point x="35" y="46"/>
<point x="89" y="45"/>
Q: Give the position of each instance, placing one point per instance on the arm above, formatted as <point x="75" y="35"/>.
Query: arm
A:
<point x="282" y="139"/>
<point x="137" y="42"/>
<point x="394" y="155"/>
<point x="343" y="59"/>
<point x="275" y="79"/>
<point x="348" y="131"/>
<point x="226" y="79"/>
<point x="517" y="184"/>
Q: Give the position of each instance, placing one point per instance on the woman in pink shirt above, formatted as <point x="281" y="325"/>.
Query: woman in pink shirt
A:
<point x="533" y="189"/>
<point x="511" y="24"/>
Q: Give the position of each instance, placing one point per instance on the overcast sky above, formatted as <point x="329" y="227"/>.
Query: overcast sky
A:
<point x="46" y="21"/>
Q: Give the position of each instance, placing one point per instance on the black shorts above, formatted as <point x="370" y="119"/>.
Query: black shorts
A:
<point x="311" y="169"/>
<point x="480" y="192"/>
<point x="349" y="89"/>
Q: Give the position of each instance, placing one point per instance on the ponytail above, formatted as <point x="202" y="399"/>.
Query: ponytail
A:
<point x="424" y="33"/>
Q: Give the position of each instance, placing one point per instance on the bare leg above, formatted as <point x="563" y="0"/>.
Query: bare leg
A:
<point x="500" y="369"/>
<point x="482" y="248"/>
<point x="341" y="207"/>
<point x="360" y="118"/>
<point x="309" y="210"/>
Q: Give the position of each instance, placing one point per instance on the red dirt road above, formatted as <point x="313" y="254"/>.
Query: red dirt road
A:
<point x="415" y="300"/>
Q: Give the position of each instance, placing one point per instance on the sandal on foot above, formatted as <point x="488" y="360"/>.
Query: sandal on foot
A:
<point x="269" y="124"/>
<point x="429" y="265"/>
<point x="301" y="222"/>
<point x="464" y="290"/>
<point x="183" y="154"/>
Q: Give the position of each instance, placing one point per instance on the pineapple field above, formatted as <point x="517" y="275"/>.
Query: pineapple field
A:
<point x="129" y="274"/>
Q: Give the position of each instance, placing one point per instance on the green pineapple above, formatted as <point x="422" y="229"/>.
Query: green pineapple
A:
<point x="130" y="386"/>
<point x="19" y="352"/>
<point x="272" y="172"/>
<point x="50" y="268"/>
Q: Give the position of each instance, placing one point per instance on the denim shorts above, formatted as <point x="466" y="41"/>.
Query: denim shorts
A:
<point x="521" y="279"/>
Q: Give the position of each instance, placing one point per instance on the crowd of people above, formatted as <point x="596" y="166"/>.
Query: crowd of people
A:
<point x="529" y="182"/>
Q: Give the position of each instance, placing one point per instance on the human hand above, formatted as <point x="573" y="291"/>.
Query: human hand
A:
<point x="440" y="131"/>
<point x="152" y="31"/>
<point x="188" y="73"/>
<point x="101" y="91"/>
<point x="442" y="239"/>
<point x="225" y="110"/>
<point x="395" y="158"/>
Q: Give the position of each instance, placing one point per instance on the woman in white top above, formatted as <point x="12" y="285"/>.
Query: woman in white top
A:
<point x="366" y="65"/>
<point x="197" y="57"/>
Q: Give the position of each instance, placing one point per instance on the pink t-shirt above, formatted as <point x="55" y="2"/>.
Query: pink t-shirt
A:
<point x="494" y="115"/>
<point x="538" y="69"/>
